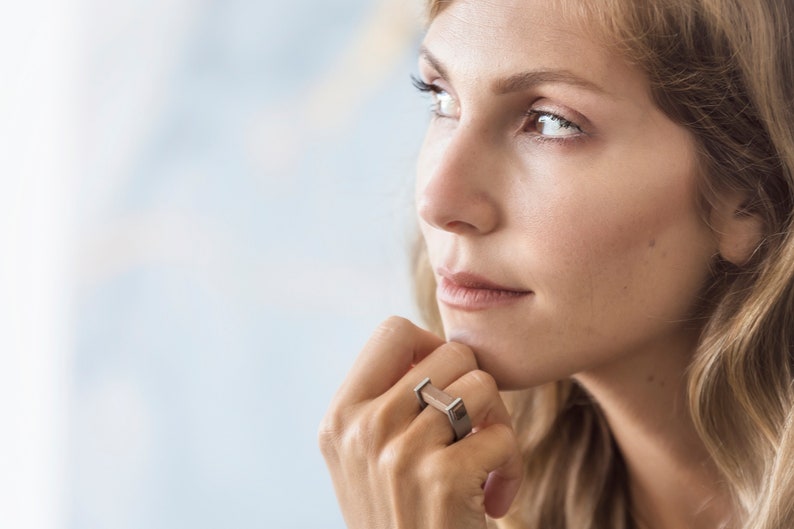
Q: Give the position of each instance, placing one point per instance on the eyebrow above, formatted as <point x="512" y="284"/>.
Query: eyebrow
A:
<point x="523" y="80"/>
<point x="434" y="62"/>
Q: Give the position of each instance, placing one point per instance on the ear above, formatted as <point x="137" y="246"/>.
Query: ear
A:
<point x="738" y="230"/>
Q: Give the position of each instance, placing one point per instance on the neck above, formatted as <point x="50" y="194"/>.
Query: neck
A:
<point x="673" y="482"/>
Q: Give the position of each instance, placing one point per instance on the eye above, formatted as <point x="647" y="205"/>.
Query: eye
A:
<point x="444" y="105"/>
<point x="551" y="125"/>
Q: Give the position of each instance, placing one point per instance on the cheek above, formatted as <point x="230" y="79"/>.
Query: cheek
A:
<point x="633" y="254"/>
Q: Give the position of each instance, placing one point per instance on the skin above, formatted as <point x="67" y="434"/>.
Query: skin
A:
<point x="571" y="187"/>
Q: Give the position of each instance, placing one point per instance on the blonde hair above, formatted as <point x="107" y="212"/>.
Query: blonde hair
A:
<point x="725" y="70"/>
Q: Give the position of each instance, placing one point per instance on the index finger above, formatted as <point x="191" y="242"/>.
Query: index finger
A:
<point x="394" y="347"/>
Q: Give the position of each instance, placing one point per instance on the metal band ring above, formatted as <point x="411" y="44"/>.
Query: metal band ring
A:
<point x="454" y="408"/>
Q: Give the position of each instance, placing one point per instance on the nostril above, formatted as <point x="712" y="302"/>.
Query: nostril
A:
<point x="458" y="213"/>
<point x="459" y="226"/>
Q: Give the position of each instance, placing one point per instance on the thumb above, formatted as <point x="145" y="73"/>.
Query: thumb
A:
<point x="501" y="488"/>
<point x="501" y="458"/>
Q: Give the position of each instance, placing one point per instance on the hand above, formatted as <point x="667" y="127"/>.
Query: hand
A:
<point x="396" y="466"/>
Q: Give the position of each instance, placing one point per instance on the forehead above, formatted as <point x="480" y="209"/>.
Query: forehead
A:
<point x="499" y="37"/>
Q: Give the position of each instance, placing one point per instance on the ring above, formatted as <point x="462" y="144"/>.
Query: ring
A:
<point x="427" y="393"/>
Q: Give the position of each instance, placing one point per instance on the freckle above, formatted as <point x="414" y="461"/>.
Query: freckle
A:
<point x="650" y="378"/>
<point x="652" y="243"/>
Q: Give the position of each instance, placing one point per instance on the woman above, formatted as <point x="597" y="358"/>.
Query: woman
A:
<point x="605" y="196"/>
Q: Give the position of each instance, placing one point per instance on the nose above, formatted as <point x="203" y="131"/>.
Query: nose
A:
<point x="457" y="184"/>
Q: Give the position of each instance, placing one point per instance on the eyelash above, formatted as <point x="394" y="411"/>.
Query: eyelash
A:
<point x="423" y="86"/>
<point x="427" y="88"/>
<point x="534" y="114"/>
<point x="531" y="114"/>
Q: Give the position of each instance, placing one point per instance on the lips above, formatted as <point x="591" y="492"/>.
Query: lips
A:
<point x="471" y="292"/>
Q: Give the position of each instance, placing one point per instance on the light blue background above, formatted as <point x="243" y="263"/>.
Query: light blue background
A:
<point x="245" y="209"/>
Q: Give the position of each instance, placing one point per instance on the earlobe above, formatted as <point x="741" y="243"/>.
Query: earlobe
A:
<point x="738" y="230"/>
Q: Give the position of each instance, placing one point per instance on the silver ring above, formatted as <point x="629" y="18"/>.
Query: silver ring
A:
<point x="428" y="394"/>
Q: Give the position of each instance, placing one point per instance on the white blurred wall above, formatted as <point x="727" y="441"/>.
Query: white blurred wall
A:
<point x="205" y="209"/>
<point x="36" y="180"/>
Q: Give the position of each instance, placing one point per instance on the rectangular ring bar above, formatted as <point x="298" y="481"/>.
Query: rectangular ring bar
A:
<point x="429" y="394"/>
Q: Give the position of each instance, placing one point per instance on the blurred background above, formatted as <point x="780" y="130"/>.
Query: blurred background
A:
<point x="205" y="209"/>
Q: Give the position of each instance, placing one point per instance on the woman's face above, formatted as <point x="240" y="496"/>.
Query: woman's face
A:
<point x="558" y="204"/>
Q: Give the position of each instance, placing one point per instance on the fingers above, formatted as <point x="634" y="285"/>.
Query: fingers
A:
<point x="394" y="347"/>
<point x="498" y="453"/>
<point x="483" y="403"/>
<point x="483" y="469"/>
<point x="379" y="444"/>
<point x="444" y="366"/>
<point x="492" y="450"/>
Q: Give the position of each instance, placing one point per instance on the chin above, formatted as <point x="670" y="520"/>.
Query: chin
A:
<point x="514" y="364"/>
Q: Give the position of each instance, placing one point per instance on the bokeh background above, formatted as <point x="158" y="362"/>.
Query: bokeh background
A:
<point x="206" y="208"/>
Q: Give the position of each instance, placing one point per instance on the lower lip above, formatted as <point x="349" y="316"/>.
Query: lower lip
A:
<point x="471" y="298"/>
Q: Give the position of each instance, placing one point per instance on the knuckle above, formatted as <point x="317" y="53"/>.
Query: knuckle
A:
<point x="368" y="434"/>
<point x="394" y="328"/>
<point x="393" y="325"/>
<point x="341" y="435"/>
<point x="365" y="435"/>
<point x="433" y="470"/>
<point x="438" y="478"/>
<point x="482" y="381"/>
<point x="359" y="437"/>
<point x="329" y="433"/>
<point x="395" y="460"/>
<point x="460" y="354"/>
<point x="475" y="502"/>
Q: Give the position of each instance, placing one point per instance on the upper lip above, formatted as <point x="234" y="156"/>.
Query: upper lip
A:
<point x="475" y="281"/>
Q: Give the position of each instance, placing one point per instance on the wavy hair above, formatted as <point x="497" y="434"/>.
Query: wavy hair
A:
<point x="725" y="70"/>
